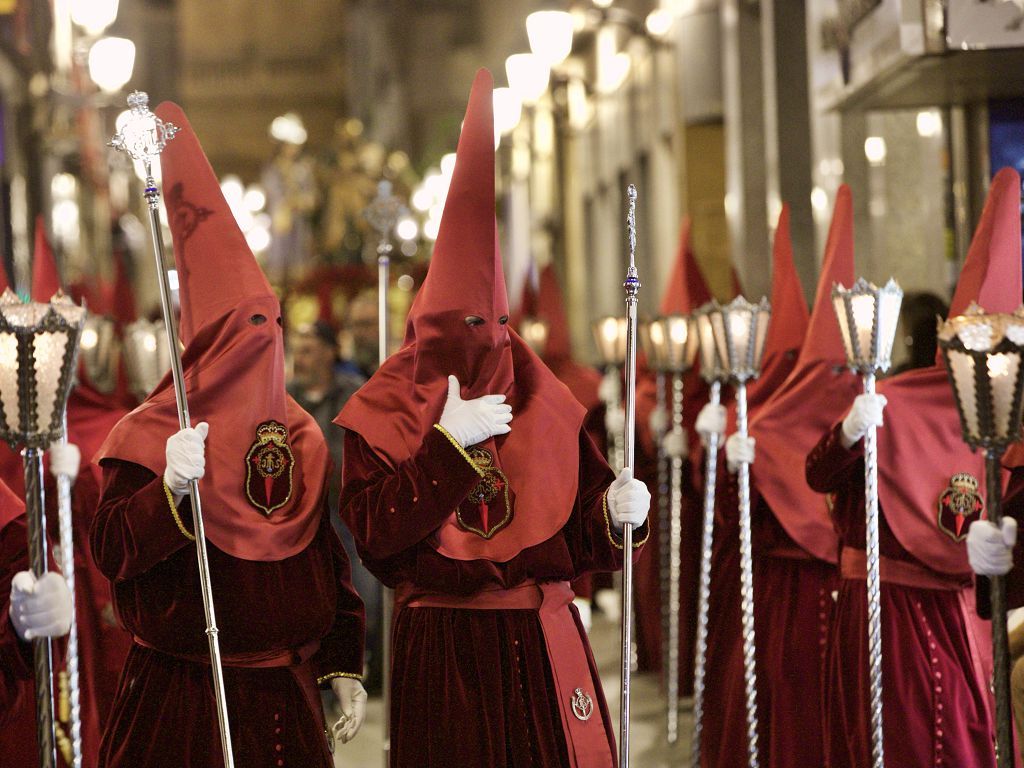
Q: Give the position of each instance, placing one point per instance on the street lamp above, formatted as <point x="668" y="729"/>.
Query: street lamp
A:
<point x="550" y="34"/>
<point x="528" y="76"/>
<point x="867" y="318"/>
<point x="38" y="350"/>
<point x="670" y="343"/>
<point x="739" y="330"/>
<point x="983" y="356"/>
<point x="713" y="372"/>
<point x="111" y="61"/>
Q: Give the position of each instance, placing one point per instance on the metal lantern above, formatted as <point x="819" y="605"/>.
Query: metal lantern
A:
<point x="38" y="351"/>
<point x="984" y="356"/>
<point x="740" y="329"/>
<point x="670" y="343"/>
<point x="867" y="318"/>
<point x="146" y="356"/>
<point x="534" y="332"/>
<point x="713" y="372"/>
<point x="610" y="335"/>
<point x="98" y="353"/>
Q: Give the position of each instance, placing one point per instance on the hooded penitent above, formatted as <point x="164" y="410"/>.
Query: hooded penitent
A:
<point x="10" y="505"/>
<point x="817" y="393"/>
<point x="786" y="328"/>
<point x="536" y="466"/>
<point x="548" y="305"/>
<point x="920" y="448"/>
<point x="266" y="459"/>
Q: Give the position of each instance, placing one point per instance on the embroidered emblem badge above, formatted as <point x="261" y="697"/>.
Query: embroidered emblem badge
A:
<point x="268" y="468"/>
<point x="582" y="704"/>
<point x="488" y="507"/>
<point x="959" y="506"/>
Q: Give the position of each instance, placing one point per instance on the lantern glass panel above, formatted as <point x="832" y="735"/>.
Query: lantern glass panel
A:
<point x="49" y="351"/>
<point x="961" y="364"/>
<point x="890" y="299"/>
<point x="763" y="318"/>
<point x="1003" y="370"/>
<point x="652" y="338"/>
<point x="721" y="343"/>
<point x="9" y="378"/>
<point x="610" y="334"/>
<point x="97" y="351"/>
<point x="709" y="360"/>
<point x="146" y="355"/>
<point x="839" y="304"/>
<point x="863" y="308"/>
<point x="678" y="337"/>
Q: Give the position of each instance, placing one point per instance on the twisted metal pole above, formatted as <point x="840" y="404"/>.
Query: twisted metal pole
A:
<point x="664" y="532"/>
<point x="143" y="137"/>
<point x="1000" y="636"/>
<point x="873" y="583"/>
<point x="632" y="286"/>
<point x="42" y="647"/>
<point x="383" y="214"/>
<point x="675" y="538"/>
<point x="704" y="595"/>
<point x="67" y="565"/>
<point x="747" y="585"/>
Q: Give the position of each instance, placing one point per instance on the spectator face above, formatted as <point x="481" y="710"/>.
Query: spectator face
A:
<point x="312" y="361"/>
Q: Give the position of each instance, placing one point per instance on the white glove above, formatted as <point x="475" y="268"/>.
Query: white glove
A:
<point x="473" y="421"/>
<point x="65" y="460"/>
<point x="989" y="548"/>
<point x="865" y="412"/>
<point x="40" y="608"/>
<point x="710" y="420"/>
<point x="352" y="701"/>
<point x="658" y="421"/>
<point x="615" y="421"/>
<point x="186" y="458"/>
<point x="674" y="444"/>
<point x="739" y="450"/>
<point x="628" y="500"/>
<point x="610" y="388"/>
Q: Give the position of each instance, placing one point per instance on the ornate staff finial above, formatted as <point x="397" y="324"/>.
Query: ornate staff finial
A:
<point x="632" y="278"/>
<point x="143" y="135"/>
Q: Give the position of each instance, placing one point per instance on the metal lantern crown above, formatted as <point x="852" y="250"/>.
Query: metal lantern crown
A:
<point x="983" y="356"/>
<point x="38" y="351"/>
<point x="610" y="333"/>
<point x="867" y="318"/>
<point x="98" y="352"/>
<point x="739" y="329"/>
<point x="534" y="332"/>
<point x="670" y="343"/>
<point x="146" y="356"/>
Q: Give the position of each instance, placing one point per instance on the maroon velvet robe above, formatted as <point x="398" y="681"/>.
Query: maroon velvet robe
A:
<point x="164" y="712"/>
<point x="935" y="704"/>
<point x="470" y="687"/>
<point x="15" y="656"/>
<point x="792" y="608"/>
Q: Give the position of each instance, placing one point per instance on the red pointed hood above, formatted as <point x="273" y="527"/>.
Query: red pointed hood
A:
<point x="45" y="280"/>
<point x="581" y="380"/>
<point x="267" y="461"/>
<point x="814" y="395"/>
<point x="922" y="426"/>
<point x="788" y="323"/>
<point x="397" y="408"/>
<point x="687" y="289"/>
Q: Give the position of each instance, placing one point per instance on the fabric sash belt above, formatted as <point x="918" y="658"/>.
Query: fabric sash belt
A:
<point x="575" y="686"/>
<point x="789" y="553"/>
<point x="296" y="660"/>
<point x="854" y="565"/>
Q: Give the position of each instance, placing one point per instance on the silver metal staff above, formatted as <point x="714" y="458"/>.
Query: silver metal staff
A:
<point x="67" y="565"/>
<point x="143" y="137"/>
<point x="383" y="214"/>
<point x="867" y="319"/>
<point x="740" y="329"/>
<point x="712" y="372"/>
<point x="632" y="285"/>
